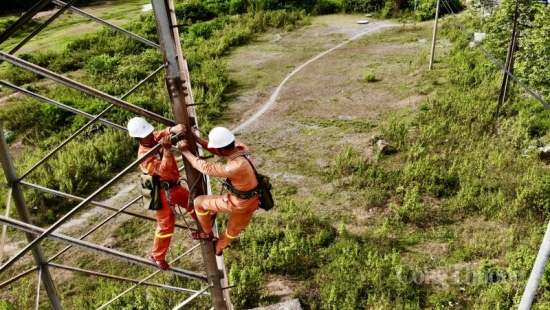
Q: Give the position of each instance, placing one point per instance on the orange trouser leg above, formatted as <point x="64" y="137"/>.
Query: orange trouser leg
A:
<point x="180" y="197"/>
<point x="236" y="223"/>
<point x="210" y="203"/>
<point x="165" y="228"/>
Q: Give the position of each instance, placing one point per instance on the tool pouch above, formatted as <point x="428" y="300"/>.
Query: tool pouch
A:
<point x="150" y="191"/>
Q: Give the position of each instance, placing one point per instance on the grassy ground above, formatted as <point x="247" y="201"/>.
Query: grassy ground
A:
<point x="307" y="141"/>
<point x="327" y="107"/>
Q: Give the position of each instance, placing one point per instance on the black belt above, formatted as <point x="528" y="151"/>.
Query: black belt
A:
<point x="169" y="184"/>
<point x="241" y="194"/>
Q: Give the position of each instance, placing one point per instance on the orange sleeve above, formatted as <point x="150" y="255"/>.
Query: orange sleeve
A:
<point x="163" y="166"/>
<point x="215" y="170"/>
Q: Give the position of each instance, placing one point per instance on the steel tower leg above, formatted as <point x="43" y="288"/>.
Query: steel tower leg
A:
<point x="179" y="91"/>
<point x="21" y="206"/>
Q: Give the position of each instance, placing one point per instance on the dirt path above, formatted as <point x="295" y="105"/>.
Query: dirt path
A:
<point x="371" y="28"/>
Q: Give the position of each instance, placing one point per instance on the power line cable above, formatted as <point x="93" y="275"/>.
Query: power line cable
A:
<point x="493" y="59"/>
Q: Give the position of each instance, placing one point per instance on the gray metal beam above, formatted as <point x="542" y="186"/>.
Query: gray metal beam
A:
<point x="61" y="105"/>
<point x="83" y="88"/>
<point x="19" y="276"/>
<point x="191" y="298"/>
<point x="93" y="203"/>
<point x="148" y="277"/>
<point x="23" y="19"/>
<point x="90" y="198"/>
<point x="34" y="230"/>
<point x="98" y="117"/>
<point x="39" y="28"/>
<point x="106" y="24"/>
<point x="24" y="215"/>
<point x="105" y="275"/>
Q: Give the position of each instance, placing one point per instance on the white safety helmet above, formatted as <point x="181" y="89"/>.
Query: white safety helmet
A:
<point x="220" y="137"/>
<point x="139" y="128"/>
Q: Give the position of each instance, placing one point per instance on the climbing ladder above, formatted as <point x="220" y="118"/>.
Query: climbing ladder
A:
<point x="181" y="100"/>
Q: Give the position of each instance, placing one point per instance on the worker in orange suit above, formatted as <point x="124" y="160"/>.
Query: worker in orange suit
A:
<point x="242" y="198"/>
<point x="163" y="164"/>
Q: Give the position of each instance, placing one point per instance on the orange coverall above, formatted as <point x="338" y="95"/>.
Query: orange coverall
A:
<point x="167" y="169"/>
<point x="242" y="176"/>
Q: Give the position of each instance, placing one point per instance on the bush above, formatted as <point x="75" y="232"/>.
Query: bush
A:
<point x="102" y="64"/>
<point x="18" y="76"/>
<point x="357" y="277"/>
<point x="21" y="115"/>
<point x="248" y="284"/>
<point x="369" y="77"/>
<point x="323" y="7"/>
<point x="361" y="6"/>
<point x="194" y="11"/>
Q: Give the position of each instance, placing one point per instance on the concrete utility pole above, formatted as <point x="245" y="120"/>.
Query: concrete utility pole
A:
<point x="536" y="273"/>
<point x="434" y="35"/>
<point x="23" y="213"/>
<point x="179" y="91"/>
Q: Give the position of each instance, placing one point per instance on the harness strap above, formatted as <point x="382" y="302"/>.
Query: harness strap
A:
<point x="238" y="193"/>
<point x="241" y="194"/>
<point x="170" y="184"/>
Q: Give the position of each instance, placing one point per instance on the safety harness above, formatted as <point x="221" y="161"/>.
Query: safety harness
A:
<point x="241" y="194"/>
<point x="167" y="185"/>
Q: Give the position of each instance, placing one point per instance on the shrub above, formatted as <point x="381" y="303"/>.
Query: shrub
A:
<point x="357" y="277"/>
<point x="369" y="77"/>
<point x="18" y="76"/>
<point x="323" y="7"/>
<point x="102" y="64"/>
<point x="361" y="6"/>
<point x="194" y="11"/>
<point x="20" y="116"/>
<point x="247" y="281"/>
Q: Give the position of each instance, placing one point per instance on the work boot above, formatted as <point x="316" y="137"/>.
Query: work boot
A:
<point x="199" y="235"/>
<point x="219" y="252"/>
<point x="162" y="264"/>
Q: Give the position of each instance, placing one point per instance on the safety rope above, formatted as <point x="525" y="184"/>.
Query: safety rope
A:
<point x="169" y="198"/>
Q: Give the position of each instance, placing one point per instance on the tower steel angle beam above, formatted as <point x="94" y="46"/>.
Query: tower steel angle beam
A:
<point x="34" y="230"/>
<point x="23" y="19"/>
<point x="179" y="94"/>
<point x="108" y="25"/>
<point x="41" y="27"/>
<point x="84" y="88"/>
<point x="92" y="203"/>
<point x="96" y="118"/>
<point x="130" y="280"/>
<point x="22" y="211"/>
<point x="61" y="105"/>
<point x="85" y="202"/>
